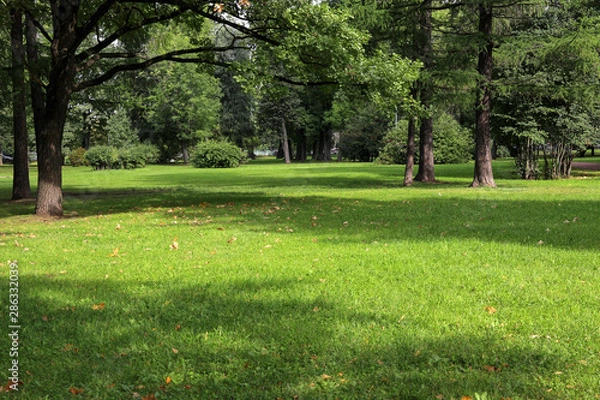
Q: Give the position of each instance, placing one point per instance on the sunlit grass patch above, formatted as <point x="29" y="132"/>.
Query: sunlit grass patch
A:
<point x="309" y="280"/>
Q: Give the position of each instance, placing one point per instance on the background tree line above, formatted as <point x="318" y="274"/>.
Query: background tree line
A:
<point x="404" y="81"/>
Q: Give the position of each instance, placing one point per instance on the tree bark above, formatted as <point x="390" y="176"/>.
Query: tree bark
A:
<point x="301" y="146"/>
<point x="58" y="95"/>
<point x="426" y="171"/>
<point x="483" y="174"/>
<point x="37" y="93"/>
<point x="285" y="144"/>
<point x="21" y="186"/>
<point x="184" y="151"/>
<point x="410" y="153"/>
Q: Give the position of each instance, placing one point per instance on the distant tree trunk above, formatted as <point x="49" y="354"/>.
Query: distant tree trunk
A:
<point x="426" y="171"/>
<point x="184" y="151"/>
<point x="410" y="153"/>
<point x="301" y="147"/>
<point x="58" y="94"/>
<point x="483" y="174"/>
<point x="324" y="145"/>
<point x="21" y="186"/>
<point x="285" y="144"/>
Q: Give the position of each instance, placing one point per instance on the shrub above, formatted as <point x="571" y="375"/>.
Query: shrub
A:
<point x="137" y="156"/>
<point x="452" y="143"/>
<point x="217" y="154"/>
<point x="77" y="157"/>
<point x="394" y="145"/>
<point x="102" y="157"/>
<point x="359" y="146"/>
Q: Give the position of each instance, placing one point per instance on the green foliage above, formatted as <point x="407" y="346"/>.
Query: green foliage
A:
<point x="453" y="144"/>
<point x="102" y="157"/>
<point x="77" y="157"/>
<point x="216" y="154"/>
<point x="137" y="156"/>
<point x="109" y="157"/>
<point x="394" y="145"/>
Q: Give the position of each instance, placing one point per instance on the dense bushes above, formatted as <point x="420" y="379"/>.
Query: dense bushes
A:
<point x="77" y="157"/>
<point x="108" y="157"/>
<point x="394" y="145"/>
<point x="452" y="143"/>
<point x="217" y="154"/>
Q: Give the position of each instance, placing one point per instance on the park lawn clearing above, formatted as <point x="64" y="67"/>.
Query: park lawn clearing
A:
<point x="307" y="281"/>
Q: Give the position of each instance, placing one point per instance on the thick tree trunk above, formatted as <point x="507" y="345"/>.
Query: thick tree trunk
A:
<point x="410" y="153"/>
<point x="21" y="185"/>
<point x="426" y="162"/>
<point x="58" y="95"/>
<point x="37" y="93"/>
<point x="483" y="174"/>
<point x="285" y="144"/>
<point x="426" y="171"/>
<point x="301" y="147"/>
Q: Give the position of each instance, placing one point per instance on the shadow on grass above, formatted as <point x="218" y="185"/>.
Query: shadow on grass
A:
<point x="565" y="223"/>
<point x="249" y="339"/>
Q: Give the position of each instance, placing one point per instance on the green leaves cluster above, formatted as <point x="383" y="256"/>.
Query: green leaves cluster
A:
<point x="109" y="157"/>
<point x="216" y="154"/>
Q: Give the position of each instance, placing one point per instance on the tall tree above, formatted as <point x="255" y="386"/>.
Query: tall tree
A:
<point x="483" y="174"/>
<point x="90" y="42"/>
<point x="424" y="46"/>
<point x="21" y="187"/>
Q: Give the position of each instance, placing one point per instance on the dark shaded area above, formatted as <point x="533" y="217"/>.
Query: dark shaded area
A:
<point x="143" y="321"/>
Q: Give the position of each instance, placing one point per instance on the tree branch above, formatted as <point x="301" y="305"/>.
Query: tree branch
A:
<point x="124" y="30"/>
<point x="171" y="56"/>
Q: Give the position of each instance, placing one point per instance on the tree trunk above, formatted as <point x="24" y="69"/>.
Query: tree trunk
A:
<point x="483" y="175"/>
<point x="301" y="147"/>
<point x="58" y="95"/>
<point x="184" y="151"/>
<point x="426" y="171"/>
<point x="37" y="93"/>
<point x="21" y="185"/>
<point x="410" y="153"/>
<point x="285" y="144"/>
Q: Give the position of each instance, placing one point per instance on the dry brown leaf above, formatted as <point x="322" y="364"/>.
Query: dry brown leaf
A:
<point x="490" y="309"/>
<point x="76" y="391"/>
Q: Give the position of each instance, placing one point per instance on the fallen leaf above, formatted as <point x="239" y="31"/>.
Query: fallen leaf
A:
<point x="174" y="245"/>
<point x="149" y="397"/>
<point x="98" y="306"/>
<point x="115" y="253"/>
<point x="75" y="391"/>
<point x="326" y="377"/>
<point x="490" y="309"/>
<point x="491" y="368"/>
<point x="466" y="398"/>
<point x="45" y="318"/>
<point x="439" y="396"/>
<point x="175" y="351"/>
<point x="168" y="380"/>
<point x="233" y="239"/>
<point x="177" y="327"/>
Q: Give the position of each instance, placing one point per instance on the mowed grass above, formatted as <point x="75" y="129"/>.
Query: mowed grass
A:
<point x="308" y="281"/>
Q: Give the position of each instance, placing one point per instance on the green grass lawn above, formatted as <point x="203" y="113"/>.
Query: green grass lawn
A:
<point x="307" y="281"/>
